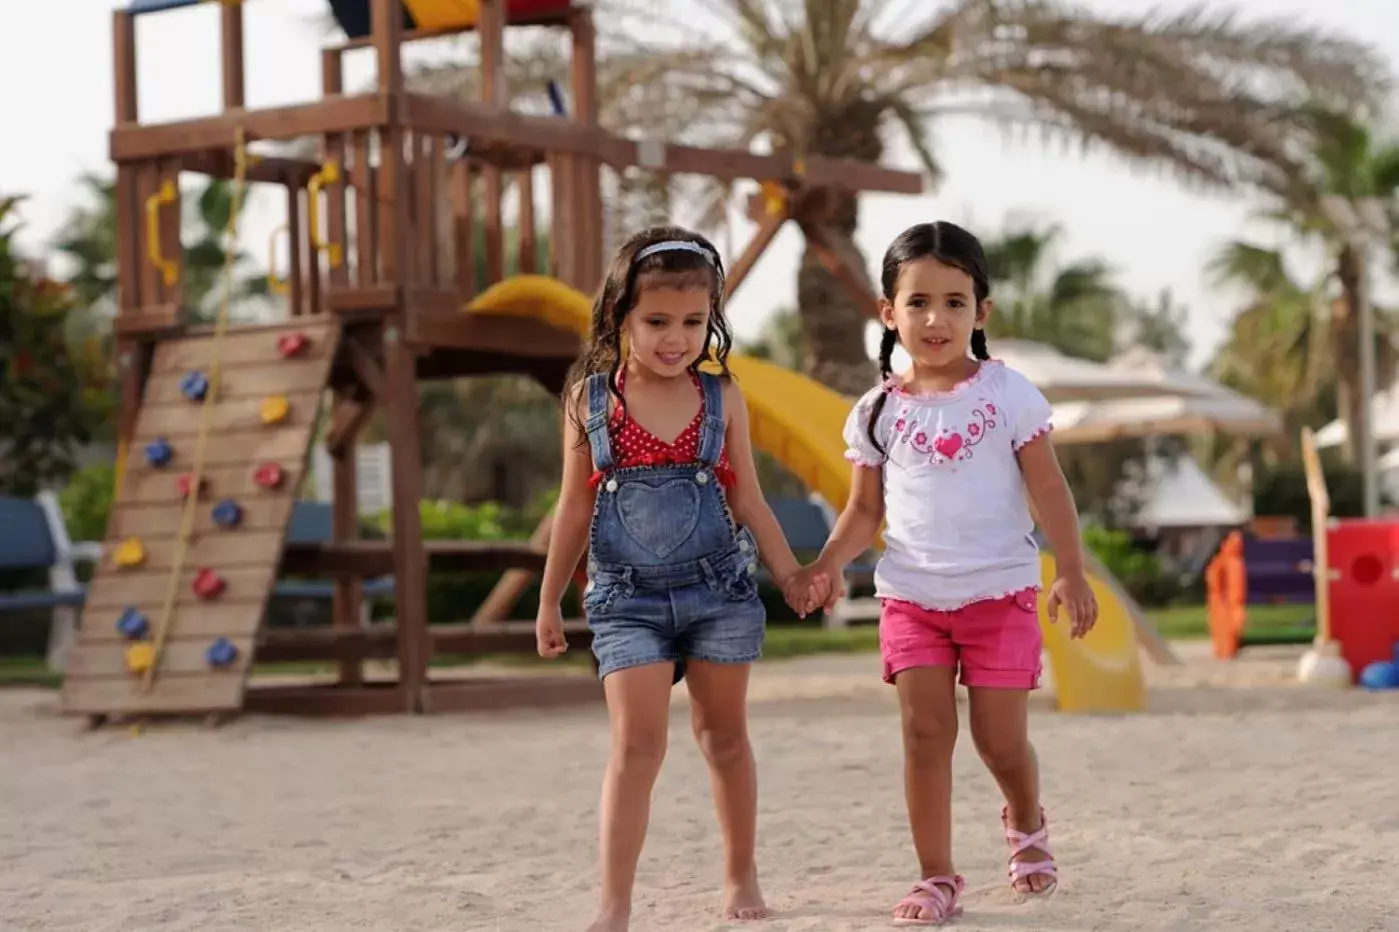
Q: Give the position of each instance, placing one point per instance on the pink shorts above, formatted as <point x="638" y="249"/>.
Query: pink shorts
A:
<point x="996" y="642"/>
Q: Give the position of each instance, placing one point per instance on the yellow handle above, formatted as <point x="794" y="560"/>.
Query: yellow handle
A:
<point x="274" y="284"/>
<point x="169" y="268"/>
<point x="329" y="174"/>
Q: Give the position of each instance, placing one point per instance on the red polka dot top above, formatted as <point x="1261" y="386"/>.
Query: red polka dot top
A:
<point x="634" y="445"/>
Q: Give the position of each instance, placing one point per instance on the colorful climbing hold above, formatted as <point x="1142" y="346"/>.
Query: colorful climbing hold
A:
<point x="208" y="584"/>
<point x="292" y="344"/>
<point x="132" y="625"/>
<point x="221" y="653"/>
<point x="159" y="452"/>
<point x="185" y="484"/>
<point x="275" y="409"/>
<point x="140" y="656"/>
<point x="269" y="476"/>
<point x="194" y="386"/>
<point x="227" y="513"/>
<point x="130" y="552"/>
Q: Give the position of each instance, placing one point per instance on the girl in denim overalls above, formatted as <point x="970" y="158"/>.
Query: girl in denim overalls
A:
<point x="674" y="532"/>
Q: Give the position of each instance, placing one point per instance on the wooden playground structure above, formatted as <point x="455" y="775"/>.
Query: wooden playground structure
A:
<point x="217" y="422"/>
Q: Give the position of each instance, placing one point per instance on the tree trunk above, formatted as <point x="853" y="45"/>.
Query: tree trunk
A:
<point x="833" y="322"/>
<point x="1345" y="324"/>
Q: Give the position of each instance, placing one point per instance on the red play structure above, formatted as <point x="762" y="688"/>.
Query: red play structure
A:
<point x="1363" y="580"/>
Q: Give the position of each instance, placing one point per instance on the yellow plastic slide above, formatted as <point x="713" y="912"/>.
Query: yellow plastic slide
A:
<point x="798" y="422"/>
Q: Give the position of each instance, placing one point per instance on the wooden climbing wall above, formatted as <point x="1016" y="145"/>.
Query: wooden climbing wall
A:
<point x="256" y="380"/>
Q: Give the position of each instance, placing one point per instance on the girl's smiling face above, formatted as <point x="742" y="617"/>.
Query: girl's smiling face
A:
<point x="666" y="328"/>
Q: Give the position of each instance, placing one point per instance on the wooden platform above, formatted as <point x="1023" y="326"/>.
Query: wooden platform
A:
<point x="150" y="509"/>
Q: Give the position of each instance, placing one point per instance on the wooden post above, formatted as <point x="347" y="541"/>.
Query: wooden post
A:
<point x="348" y="599"/>
<point x="585" y="191"/>
<point x="132" y="355"/>
<point x="528" y="248"/>
<point x="333" y="148"/>
<point x="491" y="26"/>
<point x="410" y="558"/>
<point x="768" y="228"/>
<point x="231" y="35"/>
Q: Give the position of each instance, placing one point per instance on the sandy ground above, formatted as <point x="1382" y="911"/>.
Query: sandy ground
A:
<point x="1239" y="801"/>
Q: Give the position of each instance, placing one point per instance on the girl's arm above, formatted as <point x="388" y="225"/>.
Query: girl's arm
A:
<point x="573" y="513"/>
<point x="859" y="521"/>
<point x="746" y="499"/>
<point x="1053" y="503"/>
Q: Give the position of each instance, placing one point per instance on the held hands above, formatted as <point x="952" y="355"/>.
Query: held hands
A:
<point x="549" y="639"/>
<point x="812" y="587"/>
<point x="1073" y="593"/>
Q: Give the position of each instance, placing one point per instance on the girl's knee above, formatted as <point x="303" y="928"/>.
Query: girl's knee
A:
<point x="929" y="735"/>
<point x="1001" y="750"/>
<point x="639" y="751"/>
<point x="722" y="745"/>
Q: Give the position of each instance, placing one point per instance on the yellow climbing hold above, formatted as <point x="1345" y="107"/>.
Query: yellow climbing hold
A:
<point x="140" y="656"/>
<point x="130" y="553"/>
<point x="275" y="409"/>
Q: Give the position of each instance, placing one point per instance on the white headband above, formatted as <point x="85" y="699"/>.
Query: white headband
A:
<point x="674" y="245"/>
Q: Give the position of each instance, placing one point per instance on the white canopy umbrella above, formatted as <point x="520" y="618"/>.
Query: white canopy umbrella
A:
<point x="1065" y="378"/>
<point x="1097" y="421"/>
<point x="1384" y="420"/>
<point x="1199" y="405"/>
<point x="1178" y="493"/>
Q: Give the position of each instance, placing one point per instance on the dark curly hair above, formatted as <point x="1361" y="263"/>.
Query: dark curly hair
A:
<point x="627" y="278"/>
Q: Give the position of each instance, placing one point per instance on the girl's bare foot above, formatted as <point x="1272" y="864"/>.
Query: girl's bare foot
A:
<point x="610" y="922"/>
<point x="743" y="899"/>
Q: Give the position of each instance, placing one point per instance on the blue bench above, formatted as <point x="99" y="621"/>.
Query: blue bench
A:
<point x="33" y="536"/>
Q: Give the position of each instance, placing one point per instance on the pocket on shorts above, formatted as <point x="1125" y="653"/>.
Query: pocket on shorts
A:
<point x="1027" y="600"/>
<point x="601" y="594"/>
<point x="742" y="585"/>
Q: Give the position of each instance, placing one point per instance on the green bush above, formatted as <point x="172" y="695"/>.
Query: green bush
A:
<point x="1141" y="573"/>
<point x="87" y="500"/>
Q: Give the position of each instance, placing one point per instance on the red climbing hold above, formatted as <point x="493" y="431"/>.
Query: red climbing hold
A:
<point x="292" y="344"/>
<point x="185" y="484"/>
<point x="269" y="476"/>
<point x="208" y="584"/>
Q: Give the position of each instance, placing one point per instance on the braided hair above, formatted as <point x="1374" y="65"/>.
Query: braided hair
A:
<point x="951" y="245"/>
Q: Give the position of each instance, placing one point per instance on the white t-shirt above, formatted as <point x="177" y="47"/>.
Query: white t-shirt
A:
<point x="958" y="521"/>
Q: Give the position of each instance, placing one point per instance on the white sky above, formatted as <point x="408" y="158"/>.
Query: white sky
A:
<point x="56" y="125"/>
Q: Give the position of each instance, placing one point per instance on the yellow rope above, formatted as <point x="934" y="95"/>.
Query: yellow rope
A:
<point x="206" y="411"/>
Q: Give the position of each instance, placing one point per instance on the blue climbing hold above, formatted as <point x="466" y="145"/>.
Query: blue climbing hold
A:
<point x="159" y="452"/>
<point x="132" y="625"/>
<point x="195" y="386"/>
<point x="227" y="513"/>
<point x="1382" y="674"/>
<point x="221" y="653"/>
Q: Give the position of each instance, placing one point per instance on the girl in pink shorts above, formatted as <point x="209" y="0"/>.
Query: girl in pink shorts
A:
<point x="952" y="453"/>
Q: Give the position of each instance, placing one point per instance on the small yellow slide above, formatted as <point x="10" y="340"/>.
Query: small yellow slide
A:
<point x="798" y="422"/>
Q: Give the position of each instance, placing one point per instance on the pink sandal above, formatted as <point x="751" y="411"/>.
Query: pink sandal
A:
<point x="1020" y="842"/>
<point x="931" y="896"/>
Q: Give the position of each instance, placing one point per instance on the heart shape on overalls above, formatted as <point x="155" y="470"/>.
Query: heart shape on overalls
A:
<point x="659" y="518"/>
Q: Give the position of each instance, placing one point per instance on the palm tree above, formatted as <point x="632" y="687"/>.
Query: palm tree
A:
<point x="1075" y="308"/>
<point x="1200" y="93"/>
<point x="1347" y="162"/>
<point x="1279" y="349"/>
<point x="1161" y="326"/>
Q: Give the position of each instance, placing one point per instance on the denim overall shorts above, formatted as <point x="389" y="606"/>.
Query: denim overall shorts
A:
<point x="670" y="577"/>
